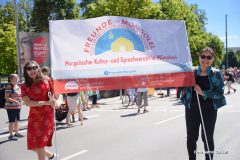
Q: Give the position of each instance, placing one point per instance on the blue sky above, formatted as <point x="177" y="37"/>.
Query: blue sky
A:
<point x="215" y="12"/>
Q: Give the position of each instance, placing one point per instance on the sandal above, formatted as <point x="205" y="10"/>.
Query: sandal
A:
<point x="69" y="125"/>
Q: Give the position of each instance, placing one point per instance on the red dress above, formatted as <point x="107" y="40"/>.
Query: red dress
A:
<point x="41" y="118"/>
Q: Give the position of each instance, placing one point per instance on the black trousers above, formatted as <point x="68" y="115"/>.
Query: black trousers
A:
<point x="179" y="91"/>
<point x="94" y="99"/>
<point x="193" y="122"/>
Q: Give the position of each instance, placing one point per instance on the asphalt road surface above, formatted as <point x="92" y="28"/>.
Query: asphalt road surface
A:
<point x="116" y="133"/>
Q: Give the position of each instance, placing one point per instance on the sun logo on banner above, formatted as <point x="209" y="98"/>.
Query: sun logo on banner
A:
<point x="118" y="40"/>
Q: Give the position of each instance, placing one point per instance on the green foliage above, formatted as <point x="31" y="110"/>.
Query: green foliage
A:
<point x="217" y="45"/>
<point x="84" y="4"/>
<point x="233" y="59"/>
<point x="46" y="10"/>
<point x="131" y="8"/>
<point x="8" y="54"/>
<point x="7" y="13"/>
<point x="237" y="55"/>
<point x="8" y="51"/>
<point x="25" y="9"/>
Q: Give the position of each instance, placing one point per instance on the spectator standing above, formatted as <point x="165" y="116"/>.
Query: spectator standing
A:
<point x="84" y="101"/>
<point x="94" y="100"/>
<point x="142" y="95"/>
<point x="132" y="94"/>
<point x="229" y="78"/>
<point x="73" y="101"/>
<point x="45" y="71"/>
<point x="13" y="106"/>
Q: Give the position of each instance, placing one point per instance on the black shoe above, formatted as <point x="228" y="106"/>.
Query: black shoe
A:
<point x="18" y="135"/>
<point x="138" y="111"/>
<point x="85" y="118"/>
<point x="228" y="92"/>
<point x="12" y="138"/>
<point x="145" y="111"/>
<point x="235" y="90"/>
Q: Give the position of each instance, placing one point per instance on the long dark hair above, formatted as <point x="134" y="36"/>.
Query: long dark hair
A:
<point x="28" y="80"/>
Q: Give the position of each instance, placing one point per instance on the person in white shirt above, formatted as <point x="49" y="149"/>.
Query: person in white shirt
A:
<point x="142" y="95"/>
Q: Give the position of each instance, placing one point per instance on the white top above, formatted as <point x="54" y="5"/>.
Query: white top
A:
<point x="142" y="89"/>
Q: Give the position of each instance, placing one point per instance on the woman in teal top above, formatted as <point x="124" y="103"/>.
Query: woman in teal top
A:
<point x="210" y="89"/>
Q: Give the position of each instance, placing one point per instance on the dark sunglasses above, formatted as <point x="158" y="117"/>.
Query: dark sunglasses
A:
<point x="32" y="68"/>
<point x="206" y="57"/>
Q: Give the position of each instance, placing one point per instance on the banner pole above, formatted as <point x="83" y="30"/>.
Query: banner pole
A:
<point x="55" y="130"/>
<point x="50" y="66"/>
<point x="203" y="126"/>
<point x="51" y="96"/>
<point x="17" y="41"/>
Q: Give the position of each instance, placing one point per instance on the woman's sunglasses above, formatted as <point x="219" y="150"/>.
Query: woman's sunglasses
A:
<point x="206" y="57"/>
<point x="32" y="68"/>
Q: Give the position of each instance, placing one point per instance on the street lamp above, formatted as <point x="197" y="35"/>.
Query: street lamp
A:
<point x="226" y="42"/>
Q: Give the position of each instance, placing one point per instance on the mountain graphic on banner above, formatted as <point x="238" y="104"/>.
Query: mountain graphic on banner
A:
<point x="122" y="45"/>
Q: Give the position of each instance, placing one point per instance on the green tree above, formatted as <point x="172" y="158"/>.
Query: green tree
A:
<point x="218" y="47"/>
<point x="84" y="4"/>
<point x="25" y="9"/>
<point x="131" y="8"/>
<point x="8" y="54"/>
<point x="46" y="10"/>
<point x="237" y="55"/>
<point x="231" y="59"/>
<point x="9" y="14"/>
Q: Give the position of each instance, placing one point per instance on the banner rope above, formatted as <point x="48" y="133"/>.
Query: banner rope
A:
<point x="203" y="126"/>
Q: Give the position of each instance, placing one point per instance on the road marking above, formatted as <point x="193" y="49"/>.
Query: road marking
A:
<point x="92" y="116"/>
<point x="229" y="111"/>
<point x="132" y="109"/>
<point x="75" y="155"/>
<point x="7" y="134"/>
<point x="161" y="122"/>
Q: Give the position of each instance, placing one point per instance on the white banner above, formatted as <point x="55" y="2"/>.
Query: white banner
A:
<point x="117" y="46"/>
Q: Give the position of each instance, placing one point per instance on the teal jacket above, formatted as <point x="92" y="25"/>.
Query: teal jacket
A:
<point x="216" y="91"/>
